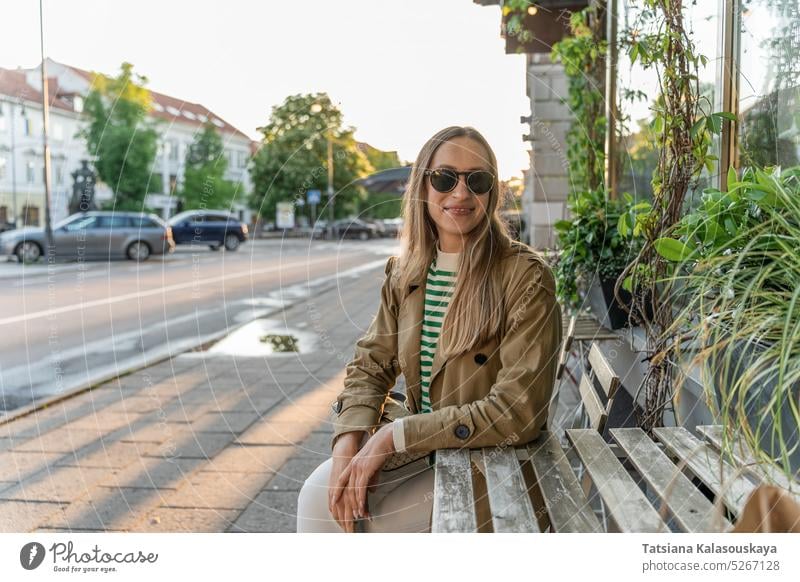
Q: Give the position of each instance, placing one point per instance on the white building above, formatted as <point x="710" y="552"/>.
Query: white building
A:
<point x="22" y="161"/>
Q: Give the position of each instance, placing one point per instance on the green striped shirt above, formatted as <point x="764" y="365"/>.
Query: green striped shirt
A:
<point x="439" y="288"/>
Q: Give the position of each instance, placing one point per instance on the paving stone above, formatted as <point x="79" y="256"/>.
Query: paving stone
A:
<point x="153" y="473"/>
<point x="114" y="455"/>
<point x="213" y="490"/>
<point x="225" y="421"/>
<point x="250" y="459"/>
<point x="138" y="404"/>
<point x="247" y="403"/>
<point x="179" y="519"/>
<point x="293" y="474"/>
<point x="316" y="446"/>
<point x="188" y="444"/>
<point x="22" y="516"/>
<point x="273" y="512"/>
<point x="62" y="484"/>
<point x="62" y="440"/>
<point x="275" y="433"/>
<point x="15" y="466"/>
<point x="106" y="508"/>
<point x="104" y="420"/>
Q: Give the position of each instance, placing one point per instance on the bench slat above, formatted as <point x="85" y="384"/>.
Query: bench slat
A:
<point x="692" y="511"/>
<point x="453" y="496"/>
<point x="603" y="370"/>
<point x="591" y="403"/>
<point x="512" y="510"/>
<point x="567" y="506"/>
<point x="742" y="455"/>
<point x="707" y="466"/>
<point x="627" y="505"/>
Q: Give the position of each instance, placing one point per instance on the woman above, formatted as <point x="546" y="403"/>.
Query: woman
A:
<point x="470" y="318"/>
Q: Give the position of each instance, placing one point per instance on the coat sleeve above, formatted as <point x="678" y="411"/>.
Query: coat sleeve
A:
<point x="372" y="371"/>
<point x="515" y="409"/>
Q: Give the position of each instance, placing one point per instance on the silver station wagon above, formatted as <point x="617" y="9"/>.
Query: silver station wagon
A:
<point x="94" y="234"/>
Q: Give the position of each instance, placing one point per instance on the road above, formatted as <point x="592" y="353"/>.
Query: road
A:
<point x="64" y="326"/>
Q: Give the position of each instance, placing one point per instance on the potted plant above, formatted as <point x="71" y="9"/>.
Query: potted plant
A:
<point x="593" y="254"/>
<point x="738" y="259"/>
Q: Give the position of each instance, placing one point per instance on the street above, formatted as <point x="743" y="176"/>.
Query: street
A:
<point x="69" y="325"/>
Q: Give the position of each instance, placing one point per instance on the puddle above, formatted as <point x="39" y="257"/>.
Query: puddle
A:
<point x="264" y="337"/>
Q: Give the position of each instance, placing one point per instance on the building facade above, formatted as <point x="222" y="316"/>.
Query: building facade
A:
<point x="21" y="150"/>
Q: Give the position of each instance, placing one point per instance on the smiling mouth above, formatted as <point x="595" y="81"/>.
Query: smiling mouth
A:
<point x="459" y="211"/>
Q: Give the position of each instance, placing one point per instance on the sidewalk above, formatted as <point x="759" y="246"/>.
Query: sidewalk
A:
<point x="193" y="444"/>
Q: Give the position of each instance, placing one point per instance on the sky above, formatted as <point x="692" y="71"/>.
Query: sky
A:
<point x="399" y="71"/>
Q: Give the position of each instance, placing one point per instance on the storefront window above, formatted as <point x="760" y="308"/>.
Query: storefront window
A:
<point x="769" y="83"/>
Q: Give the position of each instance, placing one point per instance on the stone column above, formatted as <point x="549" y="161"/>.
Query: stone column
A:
<point x="547" y="182"/>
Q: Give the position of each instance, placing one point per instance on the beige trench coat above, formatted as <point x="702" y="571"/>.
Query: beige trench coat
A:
<point x="498" y="393"/>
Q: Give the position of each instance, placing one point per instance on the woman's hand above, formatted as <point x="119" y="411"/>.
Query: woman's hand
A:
<point x="363" y="468"/>
<point x="343" y="451"/>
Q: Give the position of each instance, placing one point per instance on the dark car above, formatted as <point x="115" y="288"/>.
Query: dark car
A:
<point x="356" y="228"/>
<point x="208" y="227"/>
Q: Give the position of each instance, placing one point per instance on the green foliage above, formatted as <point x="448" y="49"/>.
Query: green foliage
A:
<point x="120" y="137"/>
<point x="293" y="157"/>
<point x="204" y="185"/>
<point x="591" y="243"/>
<point x="583" y="57"/>
<point x="741" y="281"/>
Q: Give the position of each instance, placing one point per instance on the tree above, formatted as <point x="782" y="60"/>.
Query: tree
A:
<point x="293" y="157"/>
<point x="204" y="185"/>
<point x="120" y="137"/>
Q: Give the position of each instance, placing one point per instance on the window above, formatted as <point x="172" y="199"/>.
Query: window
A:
<point x="172" y="149"/>
<point x="59" y="173"/>
<point x="2" y="117"/>
<point x="3" y="163"/>
<point x="769" y="84"/>
<point x="58" y="131"/>
<point x="77" y="103"/>
<point x="241" y="159"/>
<point x="82" y="223"/>
<point x="30" y="215"/>
<point x="3" y="214"/>
<point x="30" y="172"/>
<point x="27" y="126"/>
<point x="143" y="222"/>
<point x="114" y="221"/>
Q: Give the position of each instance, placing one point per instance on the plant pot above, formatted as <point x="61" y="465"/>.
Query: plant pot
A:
<point x="731" y="364"/>
<point x="604" y="305"/>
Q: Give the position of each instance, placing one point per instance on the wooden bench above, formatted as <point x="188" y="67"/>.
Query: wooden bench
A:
<point x="664" y="464"/>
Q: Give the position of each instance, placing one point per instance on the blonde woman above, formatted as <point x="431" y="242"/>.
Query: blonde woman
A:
<point x="470" y="318"/>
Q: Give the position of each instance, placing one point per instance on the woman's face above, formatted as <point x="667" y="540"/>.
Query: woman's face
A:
<point x="459" y="211"/>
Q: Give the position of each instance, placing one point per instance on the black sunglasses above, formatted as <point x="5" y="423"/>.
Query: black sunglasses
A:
<point x="445" y="180"/>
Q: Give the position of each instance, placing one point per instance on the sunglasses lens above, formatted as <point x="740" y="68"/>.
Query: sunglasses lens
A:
<point x="480" y="182"/>
<point x="443" y="180"/>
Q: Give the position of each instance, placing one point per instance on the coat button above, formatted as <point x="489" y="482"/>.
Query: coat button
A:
<point x="480" y="359"/>
<point x="337" y="406"/>
<point x="462" y="431"/>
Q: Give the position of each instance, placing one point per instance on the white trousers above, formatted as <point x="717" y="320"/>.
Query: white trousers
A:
<point x="401" y="502"/>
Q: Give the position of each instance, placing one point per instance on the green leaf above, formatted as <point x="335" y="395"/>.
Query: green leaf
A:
<point x="697" y="127"/>
<point x="731" y="176"/>
<point x="623" y="227"/>
<point x="727" y="115"/>
<point x="672" y="250"/>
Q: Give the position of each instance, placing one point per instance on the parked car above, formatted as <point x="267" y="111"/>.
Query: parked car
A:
<point x="380" y="229"/>
<point x="215" y="228"/>
<point x="392" y="227"/>
<point x="356" y="228"/>
<point x="94" y="234"/>
<point x="6" y="226"/>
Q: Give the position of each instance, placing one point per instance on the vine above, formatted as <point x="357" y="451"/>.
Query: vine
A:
<point x="683" y="129"/>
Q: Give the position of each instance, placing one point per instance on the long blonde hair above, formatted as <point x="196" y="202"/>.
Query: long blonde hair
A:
<point x="475" y="313"/>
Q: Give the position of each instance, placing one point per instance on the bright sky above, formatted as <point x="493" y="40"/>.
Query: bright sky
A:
<point x="399" y="71"/>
